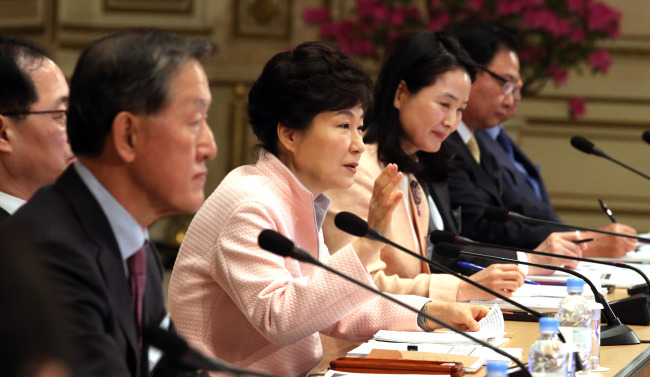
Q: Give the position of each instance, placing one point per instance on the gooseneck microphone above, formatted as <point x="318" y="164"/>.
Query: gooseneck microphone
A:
<point x="438" y="236"/>
<point x="503" y="215"/>
<point x="615" y="333"/>
<point x="356" y="226"/>
<point x="278" y="244"/>
<point x="646" y="137"/>
<point x="584" y="145"/>
<point x="177" y="349"/>
<point x="353" y="224"/>
<point x="633" y="310"/>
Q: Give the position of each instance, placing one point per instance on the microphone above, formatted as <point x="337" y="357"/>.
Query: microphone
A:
<point x="356" y="226"/>
<point x="278" y="244"/>
<point x="177" y="349"/>
<point x="353" y="224"/>
<point x="633" y="310"/>
<point x="503" y="215"/>
<point x="584" y="145"/>
<point x="646" y="136"/>
<point x="615" y="333"/>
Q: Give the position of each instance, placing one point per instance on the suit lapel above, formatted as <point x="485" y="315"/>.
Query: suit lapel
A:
<point x="420" y="214"/>
<point x="109" y="260"/>
<point x="483" y="173"/>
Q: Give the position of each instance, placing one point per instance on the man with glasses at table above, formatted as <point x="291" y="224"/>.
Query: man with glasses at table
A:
<point x="34" y="148"/>
<point x="493" y="171"/>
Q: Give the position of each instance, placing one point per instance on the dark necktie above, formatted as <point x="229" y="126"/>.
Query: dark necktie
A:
<point x="137" y="265"/>
<point x="506" y="144"/>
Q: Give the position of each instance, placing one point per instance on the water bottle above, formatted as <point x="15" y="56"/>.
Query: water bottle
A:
<point x="548" y="356"/>
<point x="497" y="369"/>
<point x="576" y="320"/>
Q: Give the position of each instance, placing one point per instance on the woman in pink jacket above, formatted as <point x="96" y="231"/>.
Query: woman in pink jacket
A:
<point x="255" y="309"/>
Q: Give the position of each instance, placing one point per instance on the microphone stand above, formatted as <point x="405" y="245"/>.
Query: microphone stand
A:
<point x="633" y="310"/>
<point x="615" y="333"/>
<point x="586" y="146"/>
<point x="500" y="214"/>
<point x="305" y="257"/>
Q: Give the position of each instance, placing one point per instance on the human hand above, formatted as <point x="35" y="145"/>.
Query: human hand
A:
<point x="605" y="245"/>
<point x="560" y="243"/>
<point x="463" y="317"/>
<point x="502" y="278"/>
<point x="384" y="200"/>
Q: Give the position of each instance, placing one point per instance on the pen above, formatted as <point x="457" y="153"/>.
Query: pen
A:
<point x="607" y="211"/>
<point x="478" y="268"/>
<point x="583" y="240"/>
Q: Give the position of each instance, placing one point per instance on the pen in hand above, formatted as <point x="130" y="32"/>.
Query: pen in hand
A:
<point x="472" y="266"/>
<point x="607" y="211"/>
<point x="583" y="240"/>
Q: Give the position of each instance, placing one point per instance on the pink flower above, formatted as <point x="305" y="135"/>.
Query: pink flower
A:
<point x="380" y="13"/>
<point x="577" y="36"/>
<point x="576" y="6"/>
<point x="559" y="74"/>
<point x="316" y="15"/>
<point x="475" y="5"/>
<point x="366" y="8"/>
<point x="436" y="24"/>
<point x="601" y="17"/>
<point x="412" y="11"/>
<point x="577" y="108"/>
<point x="599" y="60"/>
<point x="546" y="19"/>
<point x="507" y="7"/>
<point x="397" y="17"/>
<point x="328" y="30"/>
<point x="362" y="47"/>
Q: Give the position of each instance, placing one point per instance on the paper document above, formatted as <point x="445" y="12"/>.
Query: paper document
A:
<point x="492" y="328"/>
<point x="335" y="373"/>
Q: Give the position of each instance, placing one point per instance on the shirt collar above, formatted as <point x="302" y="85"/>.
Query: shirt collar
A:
<point x="464" y="132"/>
<point x="10" y="203"/>
<point x="129" y="234"/>
<point x="321" y="204"/>
<point x="493" y="132"/>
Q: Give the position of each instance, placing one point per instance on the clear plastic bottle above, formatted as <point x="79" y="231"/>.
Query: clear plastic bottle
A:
<point x="497" y="369"/>
<point x="548" y="356"/>
<point x="576" y="320"/>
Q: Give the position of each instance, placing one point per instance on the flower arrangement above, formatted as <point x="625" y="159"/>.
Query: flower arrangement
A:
<point x="556" y="35"/>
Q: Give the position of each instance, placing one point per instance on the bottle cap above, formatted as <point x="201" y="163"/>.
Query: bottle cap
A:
<point x="574" y="284"/>
<point x="497" y="366"/>
<point x="548" y="324"/>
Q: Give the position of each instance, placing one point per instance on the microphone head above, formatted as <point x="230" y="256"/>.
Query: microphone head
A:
<point x="438" y="236"/>
<point x="170" y="344"/>
<point x="352" y="224"/>
<point x="584" y="145"/>
<point x="646" y="136"/>
<point x="447" y="250"/>
<point x="276" y="243"/>
<point x="497" y="214"/>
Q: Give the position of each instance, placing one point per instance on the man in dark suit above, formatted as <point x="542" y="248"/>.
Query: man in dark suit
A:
<point x="34" y="147"/>
<point x="484" y="177"/>
<point x="137" y="122"/>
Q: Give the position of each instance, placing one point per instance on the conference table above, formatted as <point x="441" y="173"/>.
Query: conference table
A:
<point x="623" y="361"/>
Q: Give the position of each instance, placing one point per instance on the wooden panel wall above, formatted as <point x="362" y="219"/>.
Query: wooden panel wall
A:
<point x="249" y="32"/>
<point x="618" y="111"/>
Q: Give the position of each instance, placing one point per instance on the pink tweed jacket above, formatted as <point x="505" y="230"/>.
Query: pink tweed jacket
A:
<point x="255" y="309"/>
<point x="392" y="270"/>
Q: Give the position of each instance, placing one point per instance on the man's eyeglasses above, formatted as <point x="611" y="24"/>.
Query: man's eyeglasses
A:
<point x="20" y="113"/>
<point x="509" y="87"/>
